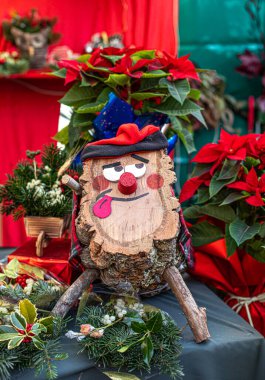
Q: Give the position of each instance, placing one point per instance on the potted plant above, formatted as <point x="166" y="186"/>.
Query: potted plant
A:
<point x="31" y="35"/>
<point x="35" y="192"/>
<point x="114" y="86"/>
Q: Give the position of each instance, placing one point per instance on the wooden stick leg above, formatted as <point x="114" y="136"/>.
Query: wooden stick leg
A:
<point x="72" y="294"/>
<point x="196" y="316"/>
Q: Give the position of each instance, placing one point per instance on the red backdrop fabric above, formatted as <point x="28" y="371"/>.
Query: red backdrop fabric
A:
<point x="150" y="24"/>
<point x="28" y="116"/>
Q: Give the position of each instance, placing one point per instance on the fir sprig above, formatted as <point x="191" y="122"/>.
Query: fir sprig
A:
<point x="140" y="342"/>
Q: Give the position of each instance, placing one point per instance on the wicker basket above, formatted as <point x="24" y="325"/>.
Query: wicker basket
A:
<point x="53" y="227"/>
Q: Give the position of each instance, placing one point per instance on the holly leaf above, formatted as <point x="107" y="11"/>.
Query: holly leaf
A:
<point x="154" y="324"/>
<point x="241" y="232"/>
<point x="18" y="321"/>
<point x="147" y="350"/>
<point x="7" y="336"/>
<point x="205" y="233"/>
<point x="28" y="310"/>
<point x="7" y="329"/>
<point x="38" y="343"/>
<point x="48" y="323"/>
<point x="15" y="342"/>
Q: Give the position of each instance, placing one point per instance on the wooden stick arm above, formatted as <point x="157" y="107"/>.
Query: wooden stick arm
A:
<point x="72" y="294"/>
<point x="73" y="184"/>
<point x="196" y="316"/>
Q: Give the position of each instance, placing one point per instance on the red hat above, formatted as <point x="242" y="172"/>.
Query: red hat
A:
<point x="129" y="139"/>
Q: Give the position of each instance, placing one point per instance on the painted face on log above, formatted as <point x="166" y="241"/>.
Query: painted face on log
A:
<point x="128" y="199"/>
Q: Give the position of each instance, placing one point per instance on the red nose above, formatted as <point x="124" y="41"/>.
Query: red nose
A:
<point x="127" y="183"/>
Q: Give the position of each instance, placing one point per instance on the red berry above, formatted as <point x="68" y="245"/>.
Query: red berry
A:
<point x="29" y="326"/>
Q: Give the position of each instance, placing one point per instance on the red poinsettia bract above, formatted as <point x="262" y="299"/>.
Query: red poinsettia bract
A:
<point x="229" y="146"/>
<point x="191" y="186"/>
<point x="73" y="69"/>
<point x="254" y="186"/>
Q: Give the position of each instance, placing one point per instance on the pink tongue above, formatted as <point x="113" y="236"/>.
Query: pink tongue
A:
<point x="102" y="208"/>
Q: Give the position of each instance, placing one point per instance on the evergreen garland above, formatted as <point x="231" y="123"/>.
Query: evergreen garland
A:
<point x="135" y="342"/>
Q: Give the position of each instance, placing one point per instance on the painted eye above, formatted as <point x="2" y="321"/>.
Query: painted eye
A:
<point x="38" y="41"/>
<point x="113" y="174"/>
<point x="138" y="170"/>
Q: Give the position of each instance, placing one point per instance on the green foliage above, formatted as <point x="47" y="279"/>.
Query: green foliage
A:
<point x="135" y="342"/>
<point x="35" y="190"/>
<point x="145" y="88"/>
<point x="29" y="342"/>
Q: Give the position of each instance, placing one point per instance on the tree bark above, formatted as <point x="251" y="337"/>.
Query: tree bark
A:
<point x="72" y="294"/>
<point x="196" y="316"/>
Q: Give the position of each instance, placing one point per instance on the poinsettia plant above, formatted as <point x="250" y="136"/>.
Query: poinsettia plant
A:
<point x="150" y="81"/>
<point x="228" y="186"/>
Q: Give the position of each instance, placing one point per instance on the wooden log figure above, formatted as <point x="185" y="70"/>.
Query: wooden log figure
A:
<point x="128" y="223"/>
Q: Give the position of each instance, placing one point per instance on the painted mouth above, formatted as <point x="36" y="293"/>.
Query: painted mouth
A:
<point x="117" y="199"/>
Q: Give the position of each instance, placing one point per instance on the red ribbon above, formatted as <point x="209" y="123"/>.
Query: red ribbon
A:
<point x="239" y="275"/>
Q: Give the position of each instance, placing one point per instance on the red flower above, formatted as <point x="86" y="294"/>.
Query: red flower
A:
<point x="256" y="148"/>
<point x="73" y="69"/>
<point x="191" y="186"/>
<point x="229" y="146"/>
<point x="252" y="185"/>
<point x="126" y="66"/>
<point x="179" y="68"/>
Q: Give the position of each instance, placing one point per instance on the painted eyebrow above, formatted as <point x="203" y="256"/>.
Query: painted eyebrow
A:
<point x="139" y="158"/>
<point x="111" y="165"/>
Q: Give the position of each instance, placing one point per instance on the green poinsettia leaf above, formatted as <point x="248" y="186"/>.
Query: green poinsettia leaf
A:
<point x="83" y="58"/>
<point x="262" y="231"/>
<point x="155" y="323"/>
<point x="112" y="58"/>
<point x="216" y="185"/>
<point x="97" y="105"/>
<point x="251" y="161"/>
<point x="62" y="136"/>
<point x="78" y="95"/>
<point x="178" y="89"/>
<point x="194" y="94"/>
<point x="199" y="116"/>
<point x="145" y="95"/>
<point x="200" y="169"/>
<point x="28" y="310"/>
<point x="155" y="74"/>
<point x="242" y="232"/>
<point x="230" y="243"/>
<point x="229" y="169"/>
<point x="15" y="342"/>
<point x="205" y="233"/>
<point x="18" y="321"/>
<point x="143" y="54"/>
<point x="233" y="197"/>
<point x="224" y="213"/>
<point x="203" y="195"/>
<point x="172" y="107"/>
<point x="115" y="80"/>
<point x="82" y="120"/>
<point x="184" y="134"/>
<point x="61" y="73"/>
<point x="256" y="248"/>
<point x="147" y="350"/>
